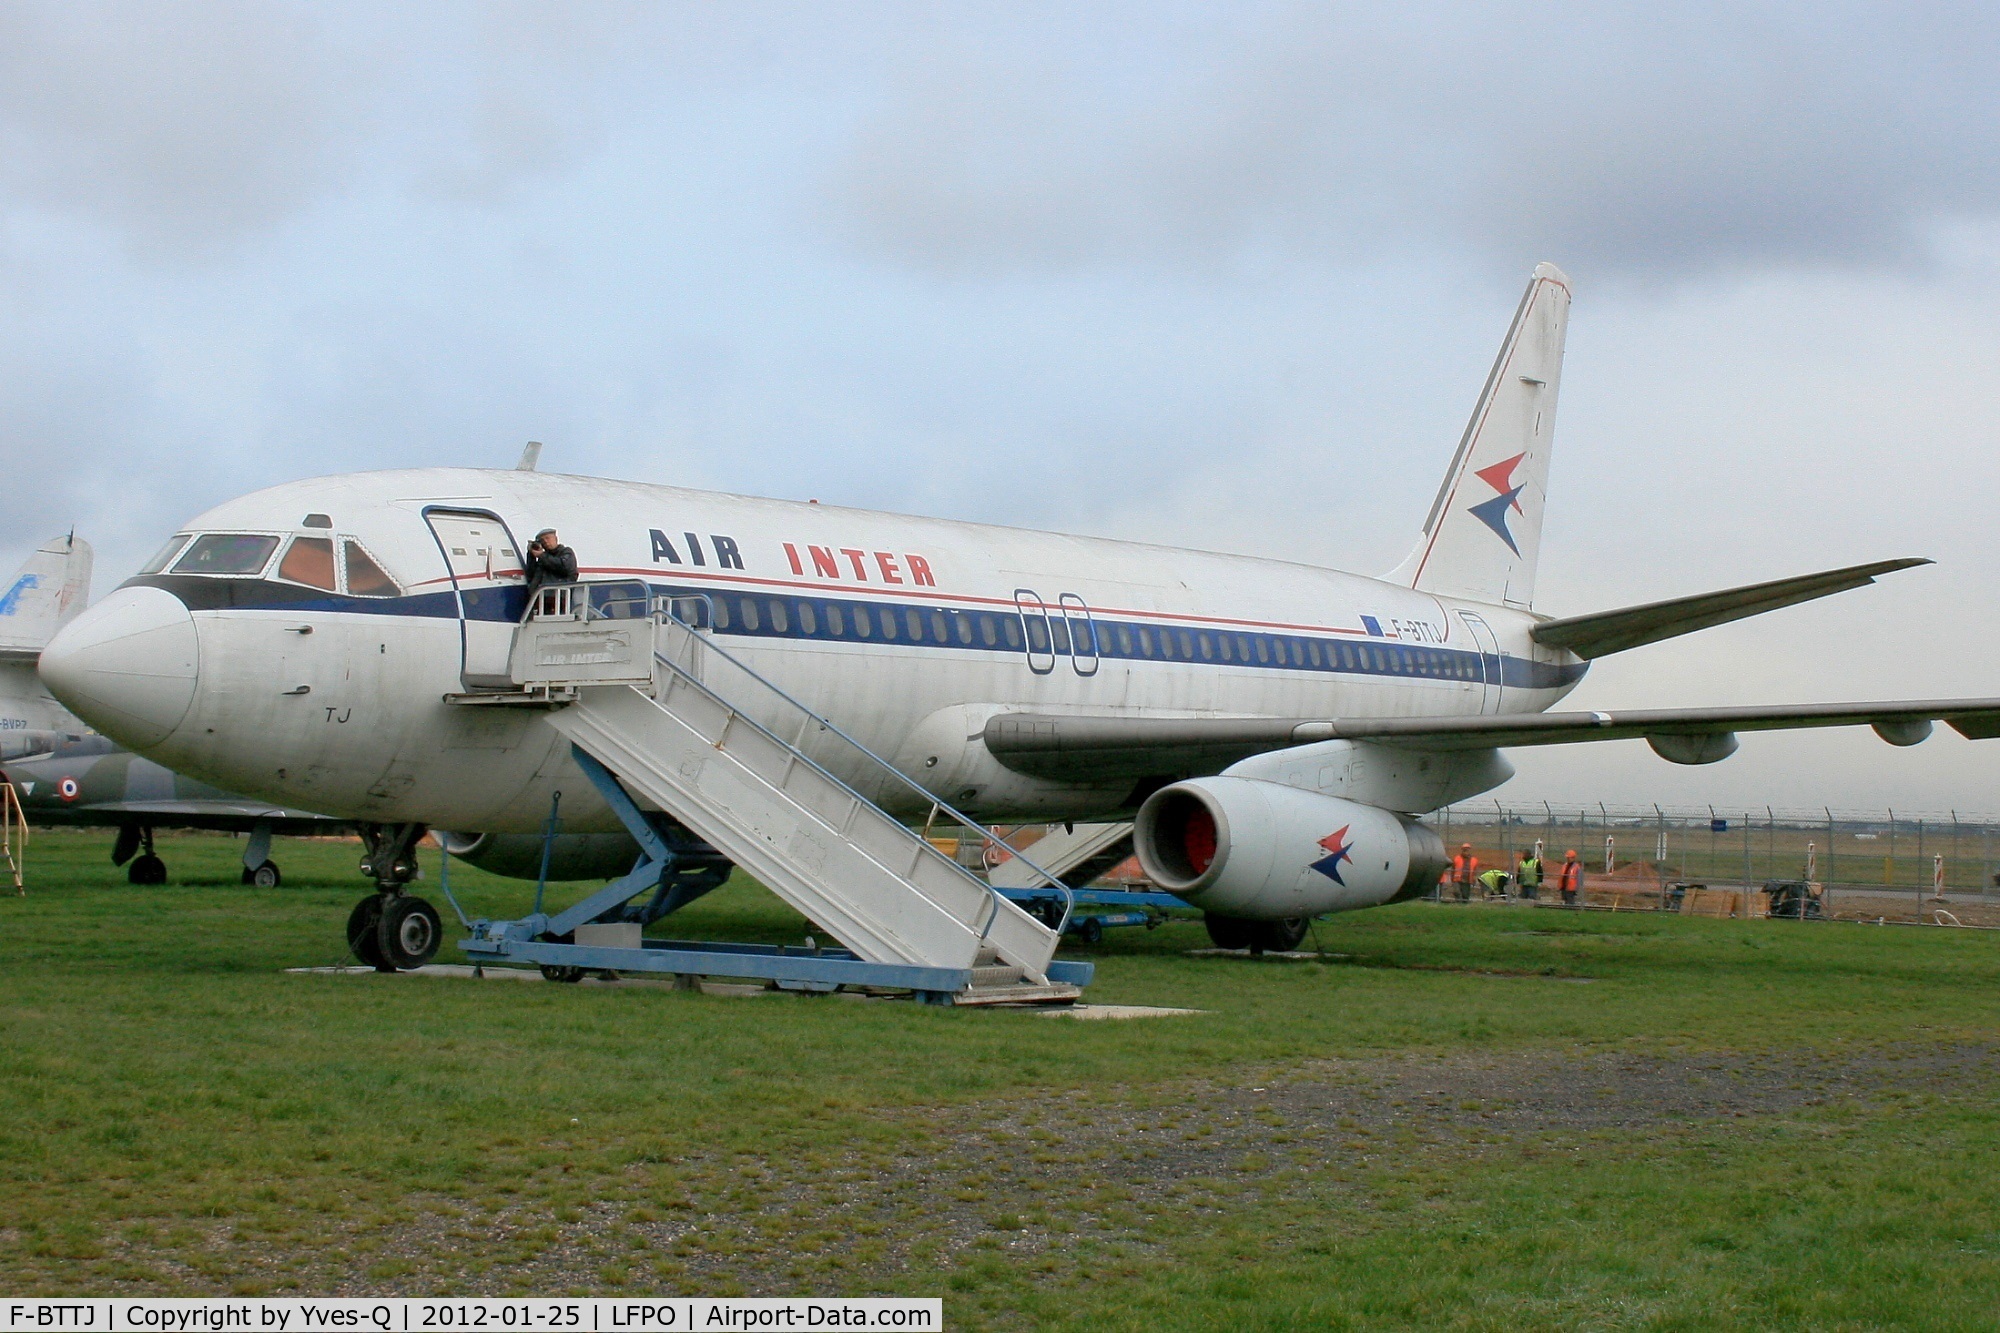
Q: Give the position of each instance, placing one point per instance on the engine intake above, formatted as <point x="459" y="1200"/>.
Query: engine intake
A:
<point x="1263" y="851"/>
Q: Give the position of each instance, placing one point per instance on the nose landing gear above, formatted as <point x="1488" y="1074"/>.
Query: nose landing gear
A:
<point x="391" y="930"/>
<point x="146" y="868"/>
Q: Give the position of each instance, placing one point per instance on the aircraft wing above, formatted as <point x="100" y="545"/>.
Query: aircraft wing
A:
<point x="222" y="816"/>
<point x="1604" y="632"/>
<point x="1087" y="747"/>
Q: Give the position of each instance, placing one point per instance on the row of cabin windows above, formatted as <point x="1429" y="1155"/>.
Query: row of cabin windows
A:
<point x="989" y="629"/>
<point x="307" y="560"/>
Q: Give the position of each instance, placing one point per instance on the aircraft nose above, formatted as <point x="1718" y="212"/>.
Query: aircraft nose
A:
<point x="127" y="665"/>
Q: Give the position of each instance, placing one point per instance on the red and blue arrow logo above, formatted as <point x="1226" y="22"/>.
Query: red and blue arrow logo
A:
<point x="1493" y="513"/>
<point x="1338" y="849"/>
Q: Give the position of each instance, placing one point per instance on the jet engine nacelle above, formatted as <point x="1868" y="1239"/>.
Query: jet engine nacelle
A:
<point x="1262" y="851"/>
<point x="519" y="855"/>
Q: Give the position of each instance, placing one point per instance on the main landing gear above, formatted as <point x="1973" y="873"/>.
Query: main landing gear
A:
<point x="391" y="930"/>
<point x="146" y="869"/>
<point x="258" y="867"/>
<point x="1230" y="932"/>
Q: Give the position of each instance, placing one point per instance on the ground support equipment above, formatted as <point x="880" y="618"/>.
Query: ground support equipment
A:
<point x="656" y="711"/>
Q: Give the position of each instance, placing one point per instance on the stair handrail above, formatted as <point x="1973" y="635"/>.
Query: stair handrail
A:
<point x="660" y="608"/>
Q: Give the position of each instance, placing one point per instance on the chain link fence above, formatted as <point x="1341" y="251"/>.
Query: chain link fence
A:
<point x="1871" y="865"/>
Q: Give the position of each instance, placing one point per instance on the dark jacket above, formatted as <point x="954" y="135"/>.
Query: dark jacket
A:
<point x="555" y="565"/>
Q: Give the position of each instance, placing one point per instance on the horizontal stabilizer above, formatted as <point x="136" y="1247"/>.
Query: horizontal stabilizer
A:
<point x="1605" y="632"/>
<point x="1077" y="748"/>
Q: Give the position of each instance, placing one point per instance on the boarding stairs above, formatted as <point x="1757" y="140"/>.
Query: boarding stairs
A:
<point x="660" y="713"/>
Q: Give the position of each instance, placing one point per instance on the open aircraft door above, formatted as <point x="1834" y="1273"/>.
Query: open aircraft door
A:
<point x="1489" y="660"/>
<point x="486" y="572"/>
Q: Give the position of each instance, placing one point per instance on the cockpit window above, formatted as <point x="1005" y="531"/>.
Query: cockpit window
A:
<point x="309" y="561"/>
<point x="227" y="553"/>
<point x="166" y="553"/>
<point x="364" y="577"/>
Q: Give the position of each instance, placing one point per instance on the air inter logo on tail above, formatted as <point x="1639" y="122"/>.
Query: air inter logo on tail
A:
<point x="1493" y="513"/>
<point x="12" y="599"/>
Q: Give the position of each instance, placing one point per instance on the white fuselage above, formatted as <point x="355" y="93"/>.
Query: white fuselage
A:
<point x="332" y="700"/>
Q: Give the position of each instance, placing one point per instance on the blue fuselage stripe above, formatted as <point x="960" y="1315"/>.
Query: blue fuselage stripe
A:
<point x="1048" y="641"/>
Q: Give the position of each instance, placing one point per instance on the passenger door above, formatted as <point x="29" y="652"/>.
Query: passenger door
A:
<point x="1039" y="640"/>
<point x="1082" y="634"/>
<point x="485" y="567"/>
<point x="1489" y="660"/>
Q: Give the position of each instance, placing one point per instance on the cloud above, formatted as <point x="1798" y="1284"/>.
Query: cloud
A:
<point x="1645" y="142"/>
<point x="179" y="127"/>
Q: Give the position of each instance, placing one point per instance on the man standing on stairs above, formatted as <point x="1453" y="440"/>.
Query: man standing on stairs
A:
<point x="549" y="561"/>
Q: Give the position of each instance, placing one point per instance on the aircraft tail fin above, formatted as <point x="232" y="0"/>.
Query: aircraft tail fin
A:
<point x="52" y="585"/>
<point x="1484" y="531"/>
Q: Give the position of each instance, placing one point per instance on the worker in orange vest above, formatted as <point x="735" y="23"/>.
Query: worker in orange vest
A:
<point x="1569" y="878"/>
<point x="1464" y="870"/>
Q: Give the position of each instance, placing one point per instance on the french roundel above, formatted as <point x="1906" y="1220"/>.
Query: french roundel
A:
<point x="67" y="789"/>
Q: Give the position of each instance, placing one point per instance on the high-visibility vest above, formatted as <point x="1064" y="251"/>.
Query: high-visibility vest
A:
<point x="1530" y="874"/>
<point x="1464" y="869"/>
<point x="1570" y="876"/>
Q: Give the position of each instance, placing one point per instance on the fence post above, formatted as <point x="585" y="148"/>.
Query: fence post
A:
<point x="1746" y="865"/>
<point x="1832" y="859"/>
<point x="1889" y="861"/>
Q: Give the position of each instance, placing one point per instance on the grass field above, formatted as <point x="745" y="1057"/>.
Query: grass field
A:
<point x="1477" y="1118"/>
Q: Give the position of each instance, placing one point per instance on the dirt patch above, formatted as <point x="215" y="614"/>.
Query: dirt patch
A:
<point x="1047" y="1181"/>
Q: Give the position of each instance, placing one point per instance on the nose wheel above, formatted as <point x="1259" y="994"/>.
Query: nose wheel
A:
<point x="392" y="930"/>
<point x="145" y="869"/>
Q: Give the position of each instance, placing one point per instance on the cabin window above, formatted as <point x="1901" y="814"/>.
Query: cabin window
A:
<point x="1038" y="634"/>
<point x="808" y="620"/>
<point x="940" y="627"/>
<point x="781" y="621"/>
<point x="1167" y="645"/>
<point x="1312" y="651"/>
<point x="1263" y="649"/>
<point x="747" y="609"/>
<point x="1010" y="629"/>
<point x="1207" y="647"/>
<point x="888" y="615"/>
<point x="1228" y="653"/>
<point x="1123" y="634"/>
<point x="227" y="553"/>
<point x="964" y="624"/>
<point x="863" y="626"/>
<point x="308" y="561"/>
<point x="1145" y="642"/>
<point x="989" y="632"/>
<point x="1059" y="633"/>
<point x="913" y="621"/>
<point x="836" y="624"/>
<point x="721" y="605"/>
<point x="166" y="553"/>
<point x="1187" y="645"/>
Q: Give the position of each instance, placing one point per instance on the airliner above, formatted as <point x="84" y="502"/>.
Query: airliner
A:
<point x="1273" y="729"/>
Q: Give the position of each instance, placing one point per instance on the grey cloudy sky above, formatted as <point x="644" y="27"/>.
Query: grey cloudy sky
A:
<point x="1225" y="276"/>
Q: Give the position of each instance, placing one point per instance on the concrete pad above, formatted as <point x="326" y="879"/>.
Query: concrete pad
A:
<point x="1294" y="956"/>
<point x="1117" y="1011"/>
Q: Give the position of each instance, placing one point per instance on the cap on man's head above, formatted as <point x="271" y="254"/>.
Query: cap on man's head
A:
<point x="545" y="532"/>
<point x="1570" y="852"/>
